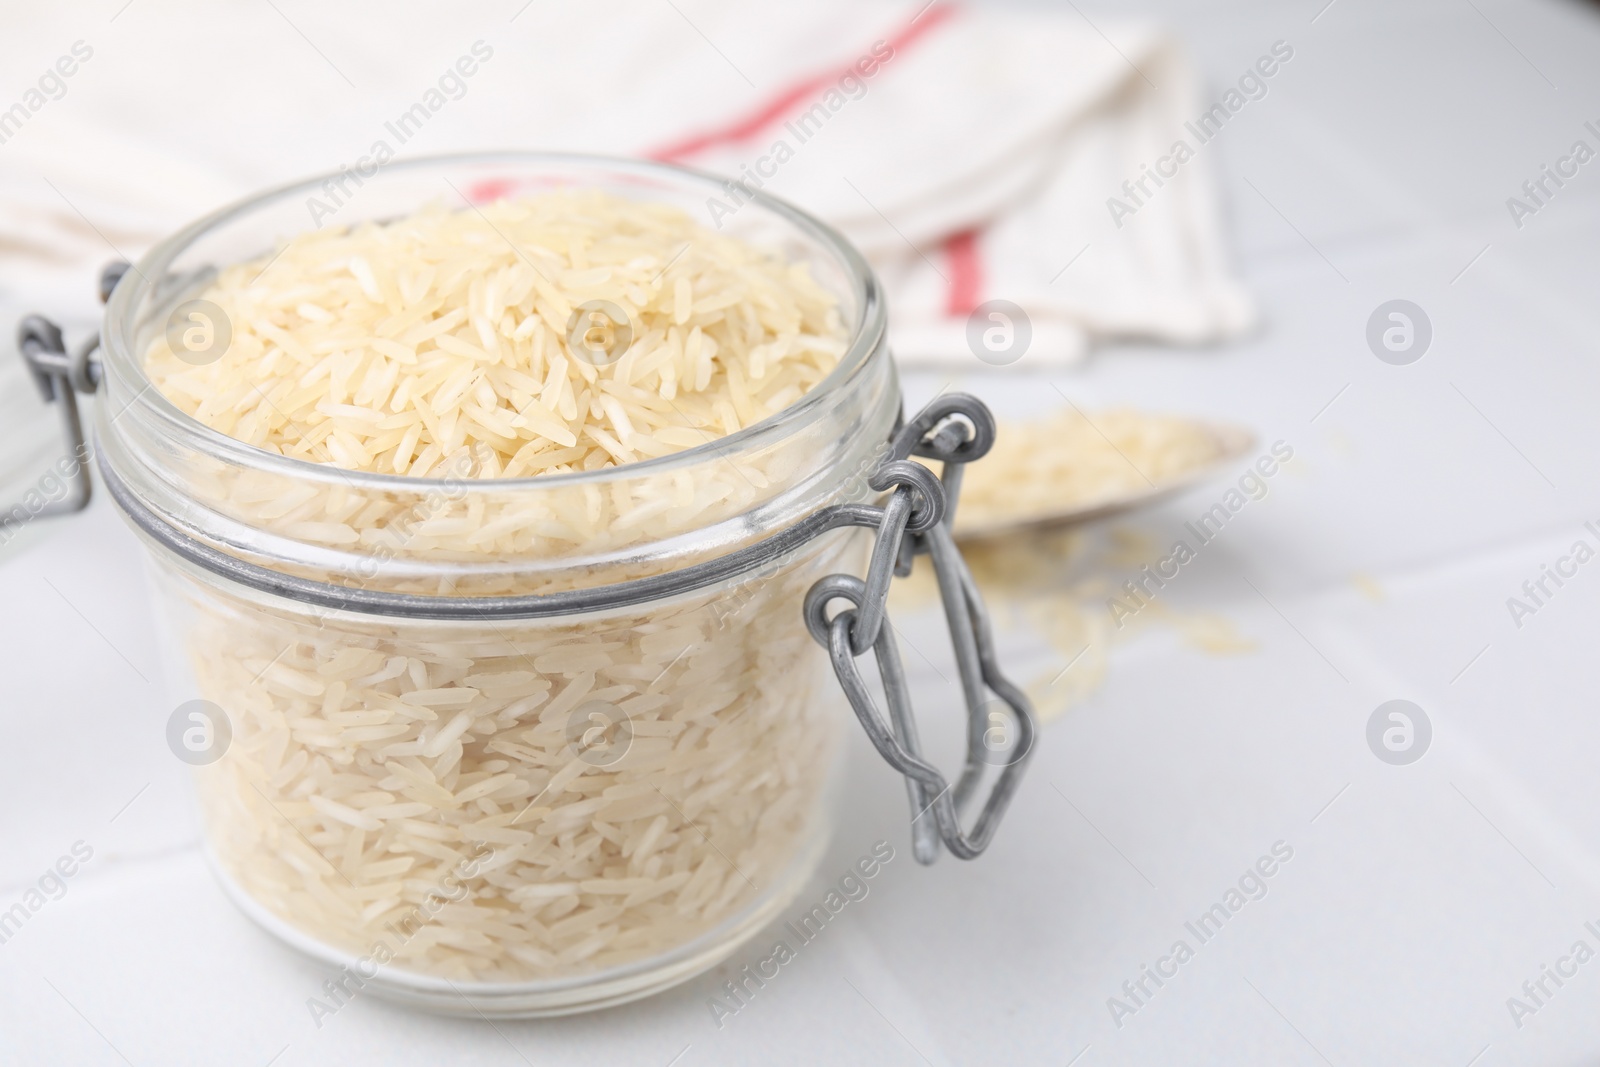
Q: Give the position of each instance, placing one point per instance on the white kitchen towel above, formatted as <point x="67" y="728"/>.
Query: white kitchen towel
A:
<point x="974" y="154"/>
<point x="978" y="161"/>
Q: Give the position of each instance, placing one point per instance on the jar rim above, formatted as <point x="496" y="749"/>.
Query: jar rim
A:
<point x="865" y="333"/>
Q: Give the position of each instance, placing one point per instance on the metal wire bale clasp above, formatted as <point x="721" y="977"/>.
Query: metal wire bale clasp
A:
<point x="61" y="375"/>
<point x="916" y="518"/>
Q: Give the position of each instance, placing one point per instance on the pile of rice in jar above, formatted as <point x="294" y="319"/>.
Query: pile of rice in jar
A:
<point x="509" y="800"/>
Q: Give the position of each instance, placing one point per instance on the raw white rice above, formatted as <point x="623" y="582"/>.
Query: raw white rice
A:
<point x="398" y="347"/>
<point x="352" y="789"/>
<point x="377" y="764"/>
<point x="1067" y="461"/>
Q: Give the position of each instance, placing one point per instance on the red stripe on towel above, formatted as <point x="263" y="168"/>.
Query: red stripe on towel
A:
<point x="777" y="107"/>
<point x="490" y="189"/>
<point x="966" y="273"/>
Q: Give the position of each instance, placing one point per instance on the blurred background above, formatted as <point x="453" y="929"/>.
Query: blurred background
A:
<point x="1355" y="236"/>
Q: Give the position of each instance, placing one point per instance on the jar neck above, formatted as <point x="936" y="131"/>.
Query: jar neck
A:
<point x="464" y="536"/>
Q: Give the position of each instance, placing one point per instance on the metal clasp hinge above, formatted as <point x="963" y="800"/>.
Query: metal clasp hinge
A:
<point x="954" y="429"/>
<point x="61" y="376"/>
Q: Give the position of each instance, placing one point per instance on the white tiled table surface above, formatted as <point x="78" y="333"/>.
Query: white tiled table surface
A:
<point x="1415" y="904"/>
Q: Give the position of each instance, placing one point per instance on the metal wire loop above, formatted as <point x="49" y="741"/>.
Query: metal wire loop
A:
<point x="823" y="592"/>
<point x="919" y="437"/>
<point x="928" y="504"/>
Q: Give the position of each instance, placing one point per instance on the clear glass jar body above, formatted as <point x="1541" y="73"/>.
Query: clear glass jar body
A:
<point x="507" y="811"/>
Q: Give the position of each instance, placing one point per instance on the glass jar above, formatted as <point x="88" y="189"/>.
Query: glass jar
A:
<point x="529" y="746"/>
<point x="547" y="812"/>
